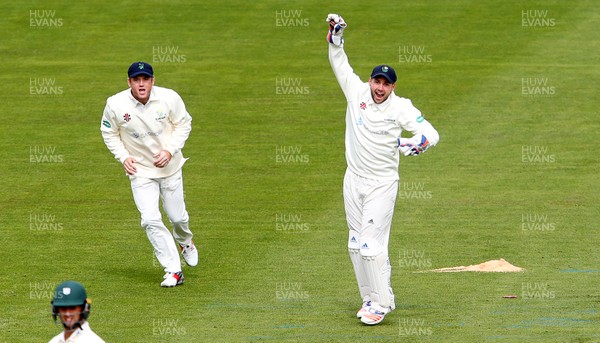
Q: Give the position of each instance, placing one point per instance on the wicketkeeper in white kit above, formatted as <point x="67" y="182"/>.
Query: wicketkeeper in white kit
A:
<point x="375" y="119"/>
<point x="145" y="127"/>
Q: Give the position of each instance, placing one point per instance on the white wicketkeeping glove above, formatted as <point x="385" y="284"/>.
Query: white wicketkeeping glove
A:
<point x="413" y="146"/>
<point x="336" y="29"/>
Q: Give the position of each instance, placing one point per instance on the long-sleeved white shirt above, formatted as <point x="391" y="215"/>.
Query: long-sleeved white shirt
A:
<point x="82" y="335"/>
<point x="132" y="129"/>
<point x="372" y="130"/>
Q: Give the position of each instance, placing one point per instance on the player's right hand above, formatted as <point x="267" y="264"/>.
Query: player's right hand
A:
<point x="413" y="146"/>
<point x="129" y="166"/>
<point x="336" y="29"/>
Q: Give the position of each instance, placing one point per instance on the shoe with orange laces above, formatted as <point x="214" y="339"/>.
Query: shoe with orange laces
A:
<point x="374" y="315"/>
<point x="364" y="309"/>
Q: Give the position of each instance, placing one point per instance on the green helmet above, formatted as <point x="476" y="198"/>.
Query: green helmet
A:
<point x="69" y="293"/>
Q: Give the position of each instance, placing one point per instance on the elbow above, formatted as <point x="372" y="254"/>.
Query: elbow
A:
<point x="435" y="137"/>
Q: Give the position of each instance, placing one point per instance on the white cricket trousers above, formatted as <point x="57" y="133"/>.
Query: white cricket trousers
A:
<point x="146" y="194"/>
<point x="369" y="206"/>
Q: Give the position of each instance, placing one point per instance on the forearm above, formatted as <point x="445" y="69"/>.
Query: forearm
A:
<point x="115" y="145"/>
<point x="341" y="68"/>
<point x="427" y="130"/>
<point x="180" y="134"/>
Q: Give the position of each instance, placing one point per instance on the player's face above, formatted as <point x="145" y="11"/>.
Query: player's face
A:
<point x="70" y="315"/>
<point x="381" y="89"/>
<point x="141" y="87"/>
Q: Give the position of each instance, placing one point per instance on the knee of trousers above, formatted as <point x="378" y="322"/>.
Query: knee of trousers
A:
<point x="149" y="223"/>
<point x="184" y="219"/>
<point x="370" y="247"/>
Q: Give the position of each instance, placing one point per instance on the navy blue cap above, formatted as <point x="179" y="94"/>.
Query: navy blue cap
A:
<point x="140" y="68"/>
<point x="386" y="71"/>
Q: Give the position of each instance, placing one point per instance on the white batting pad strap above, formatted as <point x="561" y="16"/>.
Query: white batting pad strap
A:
<point x="378" y="270"/>
<point x="359" y="272"/>
<point x="361" y="277"/>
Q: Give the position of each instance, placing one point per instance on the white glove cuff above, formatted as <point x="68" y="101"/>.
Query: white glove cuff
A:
<point x="337" y="40"/>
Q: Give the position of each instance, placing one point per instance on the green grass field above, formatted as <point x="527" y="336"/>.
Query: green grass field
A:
<point x="511" y="86"/>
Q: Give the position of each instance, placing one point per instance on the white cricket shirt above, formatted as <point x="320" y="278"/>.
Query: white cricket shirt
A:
<point x="132" y="129"/>
<point x="372" y="130"/>
<point x="81" y="335"/>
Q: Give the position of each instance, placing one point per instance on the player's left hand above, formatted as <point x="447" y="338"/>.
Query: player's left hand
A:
<point x="162" y="158"/>
<point x="413" y="146"/>
<point x="336" y="28"/>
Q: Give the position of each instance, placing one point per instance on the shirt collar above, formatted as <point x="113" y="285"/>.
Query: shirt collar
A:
<point x="76" y="333"/>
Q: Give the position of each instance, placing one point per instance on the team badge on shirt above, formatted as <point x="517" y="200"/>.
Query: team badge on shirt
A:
<point x="363" y="106"/>
<point x="127" y="117"/>
<point x="160" y="115"/>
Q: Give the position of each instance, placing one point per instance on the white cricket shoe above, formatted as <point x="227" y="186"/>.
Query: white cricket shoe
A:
<point x="190" y="254"/>
<point x="172" y="279"/>
<point x="374" y="315"/>
<point x="363" y="309"/>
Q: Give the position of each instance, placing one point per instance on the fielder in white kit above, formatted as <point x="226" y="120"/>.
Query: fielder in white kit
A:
<point x="375" y="118"/>
<point x="145" y="127"/>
